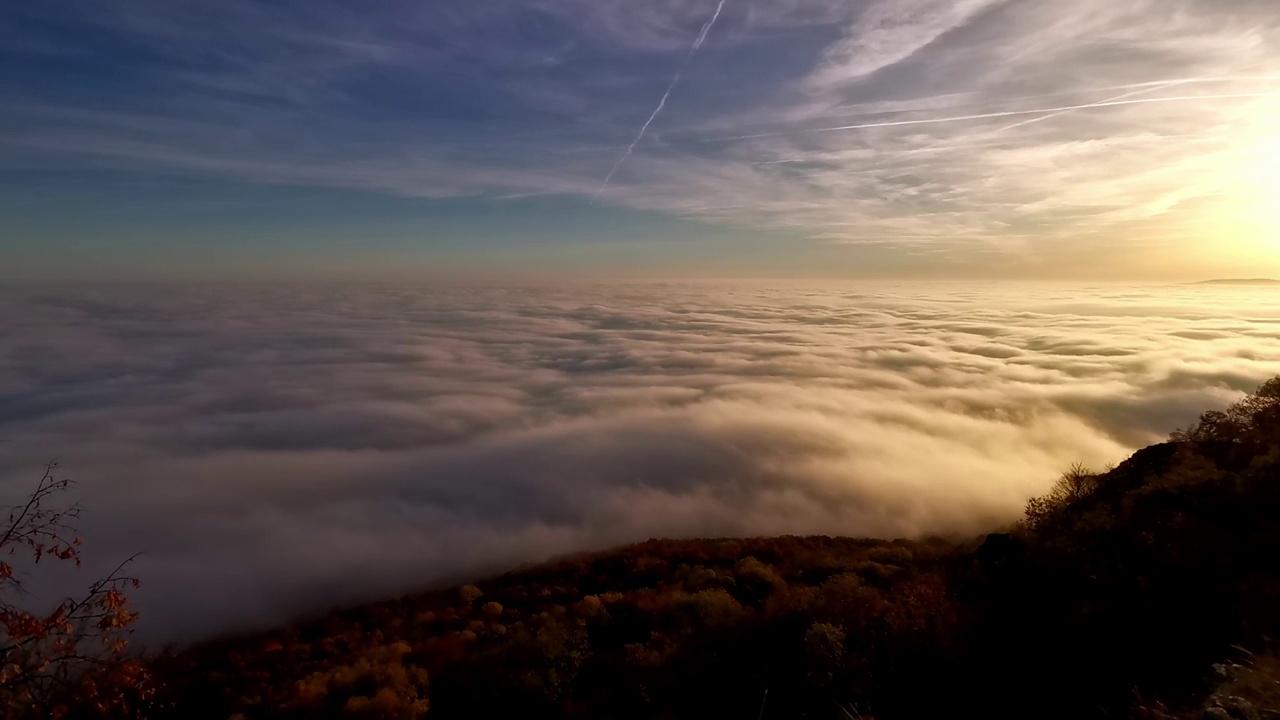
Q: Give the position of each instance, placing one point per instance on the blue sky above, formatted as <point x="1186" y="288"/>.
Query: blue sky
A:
<point x="969" y="138"/>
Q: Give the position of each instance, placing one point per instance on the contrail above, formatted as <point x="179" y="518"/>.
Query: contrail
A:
<point x="1124" y="96"/>
<point x="639" y="136"/>
<point x="675" y="80"/>
<point x="1142" y="89"/>
<point x="987" y="116"/>
<point x="1147" y="88"/>
<point x="706" y="28"/>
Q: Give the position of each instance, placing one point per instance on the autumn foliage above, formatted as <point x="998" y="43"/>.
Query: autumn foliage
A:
<point x="69" y="660"/>
<point x="627" y="633"/>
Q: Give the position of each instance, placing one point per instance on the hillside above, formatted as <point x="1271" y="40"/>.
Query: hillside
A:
<point x="1240" y="281"/>
<point x="1117" y="591"/>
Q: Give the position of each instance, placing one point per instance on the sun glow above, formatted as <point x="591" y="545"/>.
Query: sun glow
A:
<point x="1266" y="184"/>
<point x="1244" y="226"/>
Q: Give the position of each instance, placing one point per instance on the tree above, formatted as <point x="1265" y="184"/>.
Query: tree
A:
<point x="71" y="660"/>
<point x="824" y="649"/>
<point x="1072" y="486"/>
<point x="1251" y="416"/>
<point x="379" y="685"/>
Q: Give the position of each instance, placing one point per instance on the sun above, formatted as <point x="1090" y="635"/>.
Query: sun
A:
<point x="1262" y="180"/>
<point x="1244" y="227"/>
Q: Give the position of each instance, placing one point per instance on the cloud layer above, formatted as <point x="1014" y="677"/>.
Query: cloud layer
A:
<point x="274" y="451"/>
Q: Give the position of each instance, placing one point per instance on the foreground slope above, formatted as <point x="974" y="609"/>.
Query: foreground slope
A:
<point x="1116" y="591"/>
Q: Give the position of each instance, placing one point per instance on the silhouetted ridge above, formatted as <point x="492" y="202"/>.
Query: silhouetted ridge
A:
<point x="1117" y="589"/>
<point x="1240" y="281"/>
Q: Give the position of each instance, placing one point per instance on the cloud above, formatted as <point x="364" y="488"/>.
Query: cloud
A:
<point x="540" y="98"/>
<point x="889" y="32"/>
<point x="276" y="451"/>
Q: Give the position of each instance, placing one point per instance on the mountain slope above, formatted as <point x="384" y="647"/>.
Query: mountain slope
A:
<point x="1116" y="585"/>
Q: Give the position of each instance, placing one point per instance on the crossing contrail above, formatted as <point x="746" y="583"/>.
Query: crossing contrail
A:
<point x="1124" y="96"/>
<point x="1143" y="89"/>
<point x="1049" y="113"/>
<point x="990" y="115"/>
<point x="675" y="80"/>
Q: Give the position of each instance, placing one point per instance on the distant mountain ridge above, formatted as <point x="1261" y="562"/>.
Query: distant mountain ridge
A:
<point x="1240" y="281"/>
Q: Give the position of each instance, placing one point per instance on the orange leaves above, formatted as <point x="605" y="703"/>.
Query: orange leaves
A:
<point x="22" y="626"/>
<point x="70" y="661"/>
<point x="117" y="620"/>
<point x="112" y="600"/>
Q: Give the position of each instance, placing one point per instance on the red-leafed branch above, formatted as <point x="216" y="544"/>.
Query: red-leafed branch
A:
<point x="71" y="659"/>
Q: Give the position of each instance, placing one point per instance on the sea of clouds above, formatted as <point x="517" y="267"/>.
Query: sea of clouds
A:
<point x="276" y="450"/>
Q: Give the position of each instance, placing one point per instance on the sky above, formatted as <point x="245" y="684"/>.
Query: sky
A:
<point x="275" y="451"/>
<point x="1025" y="139"/>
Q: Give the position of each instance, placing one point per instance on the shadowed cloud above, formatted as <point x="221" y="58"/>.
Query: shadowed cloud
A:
<point x="274" y="451"/>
